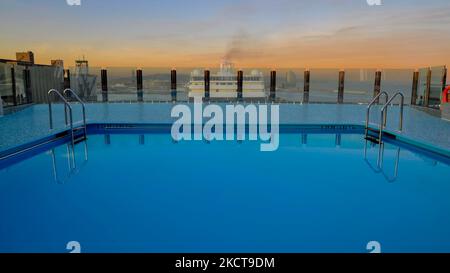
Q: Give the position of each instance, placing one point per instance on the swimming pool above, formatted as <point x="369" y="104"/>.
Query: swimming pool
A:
<point x="133" y="189"/>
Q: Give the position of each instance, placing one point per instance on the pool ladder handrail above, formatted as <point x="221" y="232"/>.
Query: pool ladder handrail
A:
<point x="384" y="114"/>
<point x="66" y="106"/>
<point x="65" y="92"/>
<point x="374" y="100"/>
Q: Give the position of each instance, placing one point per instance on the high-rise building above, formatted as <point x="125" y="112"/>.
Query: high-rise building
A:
<point x="83" y="82"/>
<point x="25" y="57"/>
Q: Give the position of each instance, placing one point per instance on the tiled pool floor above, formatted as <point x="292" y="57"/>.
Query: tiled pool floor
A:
<point x="32" y="122"/>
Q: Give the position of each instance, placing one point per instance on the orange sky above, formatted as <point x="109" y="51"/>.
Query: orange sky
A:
<point x="264" y="33"/>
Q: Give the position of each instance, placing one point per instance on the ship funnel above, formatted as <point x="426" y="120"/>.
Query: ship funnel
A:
<point x="226" y="67"/>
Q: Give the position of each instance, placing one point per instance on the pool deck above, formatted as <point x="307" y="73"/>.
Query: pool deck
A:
<point x="33" y="123"/>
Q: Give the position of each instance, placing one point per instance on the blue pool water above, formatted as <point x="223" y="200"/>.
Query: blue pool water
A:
<point x="144" y="193"/>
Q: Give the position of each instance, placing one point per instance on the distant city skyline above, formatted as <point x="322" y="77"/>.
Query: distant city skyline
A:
<point x="251" y="33"/>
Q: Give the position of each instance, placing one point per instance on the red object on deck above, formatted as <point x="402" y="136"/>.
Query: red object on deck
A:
<point x="445" y="98"/>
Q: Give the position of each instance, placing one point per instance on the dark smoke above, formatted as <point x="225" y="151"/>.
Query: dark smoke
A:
<point x="242" y="46"/>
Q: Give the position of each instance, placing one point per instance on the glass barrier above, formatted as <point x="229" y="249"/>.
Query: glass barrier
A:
<point x="44" y="78"/>
<point x="437" y="86"/>
<point x="359" y="85"/>
<point x="324" y="85"/>
<point x="156" y="84"/>
<point x="20" y="93"/>
<point x="85" y="81"/>
<point x="6" y="91"/>
<point x="397" y="80"/>
<point x="289" y="87"/>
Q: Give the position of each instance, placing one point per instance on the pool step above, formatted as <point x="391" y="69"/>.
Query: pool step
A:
<point x="372" y="135"/>
<point x="372" y="139"/>
<point x="79" y="137"/>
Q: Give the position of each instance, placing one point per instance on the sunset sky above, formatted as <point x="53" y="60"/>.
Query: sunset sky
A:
<point x="252" y="33"/>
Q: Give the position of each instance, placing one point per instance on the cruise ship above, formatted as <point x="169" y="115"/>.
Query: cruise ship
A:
<point x="224" y="83"/>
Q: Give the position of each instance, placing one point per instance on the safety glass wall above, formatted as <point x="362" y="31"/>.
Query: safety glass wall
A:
<point x="21" y="93"/>
<point x="359" y="85"/>
<point x="430" y="86"/>
<point x="121" y="84"/>
<point x="85" y="82"/>
<point x="6" y="90"/>
<point x="437" y="86"/>
<point x="289" y="85"/>
<point x="44" y="78"/>
<point x="323" y="85"/>
<point x="157" y="84"/>
<point x="398" y="80"/>
<point x="13" y="88"/>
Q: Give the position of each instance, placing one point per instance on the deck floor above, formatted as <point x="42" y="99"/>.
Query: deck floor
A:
<point x="33" y="122"/>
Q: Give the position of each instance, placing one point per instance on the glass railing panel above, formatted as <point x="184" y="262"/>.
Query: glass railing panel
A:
<point x="86" y="82"/>
<point x="437" y="85"/>
<point x="6" y="91"/>
<point x="289" y="85"/>
<point x="398" y="80"/>
<point x="359" y="85"/>
<point x="21" y="94"/>
<point x="324" y="86"/>
<point x="121" y="84"/>
<point x="157" y="84"/>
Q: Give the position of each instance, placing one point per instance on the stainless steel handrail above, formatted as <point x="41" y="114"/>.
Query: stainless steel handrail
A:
<point x="82" y="105"/>
<point x="368" y="110"/>
<point x="66" y="105"/>
<point x="384" y="114"/>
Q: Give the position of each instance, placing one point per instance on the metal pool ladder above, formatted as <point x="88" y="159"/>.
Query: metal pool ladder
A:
<point x="367" y="128"/>
<point x="70" y="120"/>
<point x="383" y="117"/>
<point x="65" y="92"/>
<point x="66" y="106"/>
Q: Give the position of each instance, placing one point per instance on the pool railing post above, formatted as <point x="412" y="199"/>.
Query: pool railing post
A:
<point x="426" y="98"/>
<point x="13" y="85"/>
<point x="27" y="84"/>
<point x="66" y="79"/>
<point x="377" y="86"/>
<point x="306" y="84"/>
<point x="207" y="84"/>
<point x="415" y="85"/>
<point x="139" y="85"/>
<point x="173" y="85"/>
<point x="340" y="98"/>
<point x="273" y="84"/>
<point x="1" y="106"/>
<point x="104" y="76"/>
<point x="240" y="83"/>
<point x="444" y="79"/>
